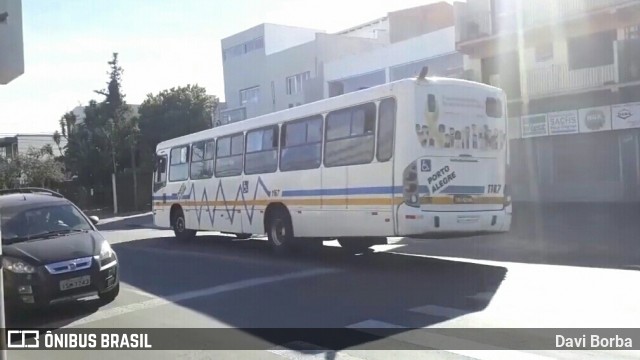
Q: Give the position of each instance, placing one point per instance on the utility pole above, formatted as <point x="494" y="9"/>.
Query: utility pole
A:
<point x="113" y="176"/>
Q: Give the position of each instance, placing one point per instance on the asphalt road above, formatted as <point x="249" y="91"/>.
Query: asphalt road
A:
<point x="481" y="281"/>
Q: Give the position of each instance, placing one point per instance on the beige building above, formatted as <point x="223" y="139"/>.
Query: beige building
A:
<point x="572" y="75"/>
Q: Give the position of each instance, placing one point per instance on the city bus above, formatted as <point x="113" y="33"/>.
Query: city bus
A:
<point x="417" y="156"/>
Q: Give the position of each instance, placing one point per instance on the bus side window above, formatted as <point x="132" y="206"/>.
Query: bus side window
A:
<point x="261" y="151"/>
<point x="350" y="136"/>
<point x="179" y="166"/>
<point x="301" y="144"/>
<point x="202" y="159"/>
<point x="229" y="155"/>
<point x="386" y="127"/>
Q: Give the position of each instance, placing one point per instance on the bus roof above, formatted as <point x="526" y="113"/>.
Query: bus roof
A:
<point x="317" y="107"/>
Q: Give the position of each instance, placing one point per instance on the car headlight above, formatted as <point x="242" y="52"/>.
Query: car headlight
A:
<point x="106" y="253"/>
<point x="17" y="266"/>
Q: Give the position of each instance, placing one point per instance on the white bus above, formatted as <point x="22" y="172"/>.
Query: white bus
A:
<point x="415" y="156"/>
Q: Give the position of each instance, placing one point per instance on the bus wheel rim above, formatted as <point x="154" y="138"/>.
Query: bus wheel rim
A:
<point x="278" y="232"/>
<point x="180" y="224"/>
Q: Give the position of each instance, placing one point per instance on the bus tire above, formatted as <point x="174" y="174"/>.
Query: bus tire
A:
<point x="358" y="245"/>
<point x="280" y="231"/>
<point x="180" y="227"/>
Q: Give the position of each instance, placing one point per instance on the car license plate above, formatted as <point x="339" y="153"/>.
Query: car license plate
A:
<point x="75" y="282"/>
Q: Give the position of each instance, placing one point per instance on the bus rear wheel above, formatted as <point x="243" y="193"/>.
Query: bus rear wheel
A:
<point x="180" y="227"/>
<point x="280" y="231"/>
<point x="358" y="245"/>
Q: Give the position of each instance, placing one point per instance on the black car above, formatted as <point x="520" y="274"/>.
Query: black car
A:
<point x="52" y="252"/>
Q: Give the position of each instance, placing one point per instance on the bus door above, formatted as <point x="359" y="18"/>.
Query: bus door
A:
<point x="370" y="175"/>
<point x="160" y="210"/>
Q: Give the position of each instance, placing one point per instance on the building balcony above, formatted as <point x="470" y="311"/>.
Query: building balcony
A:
<point x="559" y="78"/>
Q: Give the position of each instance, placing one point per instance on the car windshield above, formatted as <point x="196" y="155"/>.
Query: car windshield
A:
<point x="22" y="225"/>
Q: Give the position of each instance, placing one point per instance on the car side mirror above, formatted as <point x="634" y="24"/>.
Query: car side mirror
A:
<point x="94" y="220"/>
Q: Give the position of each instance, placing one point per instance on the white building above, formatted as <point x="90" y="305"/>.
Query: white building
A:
<point x="273" y="67"/>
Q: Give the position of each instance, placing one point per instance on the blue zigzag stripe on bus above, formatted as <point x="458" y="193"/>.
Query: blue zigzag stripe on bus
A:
<point x="231" y="212"/>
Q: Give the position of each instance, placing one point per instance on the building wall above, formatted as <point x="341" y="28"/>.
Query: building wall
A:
<point x="270" y="72"/>
<point x="378" y="29"/>
<point x="409" y="23"/>
<point x="281" y="37"/>
<point x="436" y="48"/>
<point x="574" y="130"/>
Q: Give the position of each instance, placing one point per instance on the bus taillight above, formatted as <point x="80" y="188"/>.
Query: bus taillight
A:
<point x="410" y="188"/>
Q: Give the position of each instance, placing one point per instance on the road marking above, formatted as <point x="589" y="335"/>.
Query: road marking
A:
<point x="135" y="290"/>
<point x="441" y="311"/>
<point x="431" y="340"/>
<point x="152" y="303"/>
<point x="300" y="350"/>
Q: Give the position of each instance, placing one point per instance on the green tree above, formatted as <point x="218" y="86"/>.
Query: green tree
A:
<point x="105" y="142"/>
<point x="37" y="167"/>
<point x="173" y="113"/>
<point x="9" y="173"/>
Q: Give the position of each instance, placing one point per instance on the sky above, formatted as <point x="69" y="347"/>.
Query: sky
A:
<point x="161" y="44"/>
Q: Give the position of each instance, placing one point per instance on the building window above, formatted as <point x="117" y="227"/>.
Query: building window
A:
<point x="179" y="169"/>
<point x="244" y="48"/>
<point x="231" y="116"/>
<point x="632" y="32"/>
<point x="386" y="126"/>
<point x="350" y="136"/>
<point x="301" y="144"/>
<point x="294" y="83"/>
<point x="544" y="52"/>
<point x="262" y="151"/>
<point x="591" y="50"/>
<point x="202" y="159"/>
<point x="250" y="96"/>
<point x="229" y="155"/>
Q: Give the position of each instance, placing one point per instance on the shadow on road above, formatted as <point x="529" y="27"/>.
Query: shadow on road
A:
<point x="381" y="286"/>
<point x="589" y="235"/>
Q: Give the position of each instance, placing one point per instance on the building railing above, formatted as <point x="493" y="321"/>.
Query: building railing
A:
<point x="559" y="77"/>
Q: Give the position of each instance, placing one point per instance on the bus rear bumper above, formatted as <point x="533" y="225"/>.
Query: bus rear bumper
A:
<point x="425" y="222"/>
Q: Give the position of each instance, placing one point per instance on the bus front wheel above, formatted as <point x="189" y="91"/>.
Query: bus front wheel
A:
<point x="280" y="231"/>
<point x="180" y="227"/>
